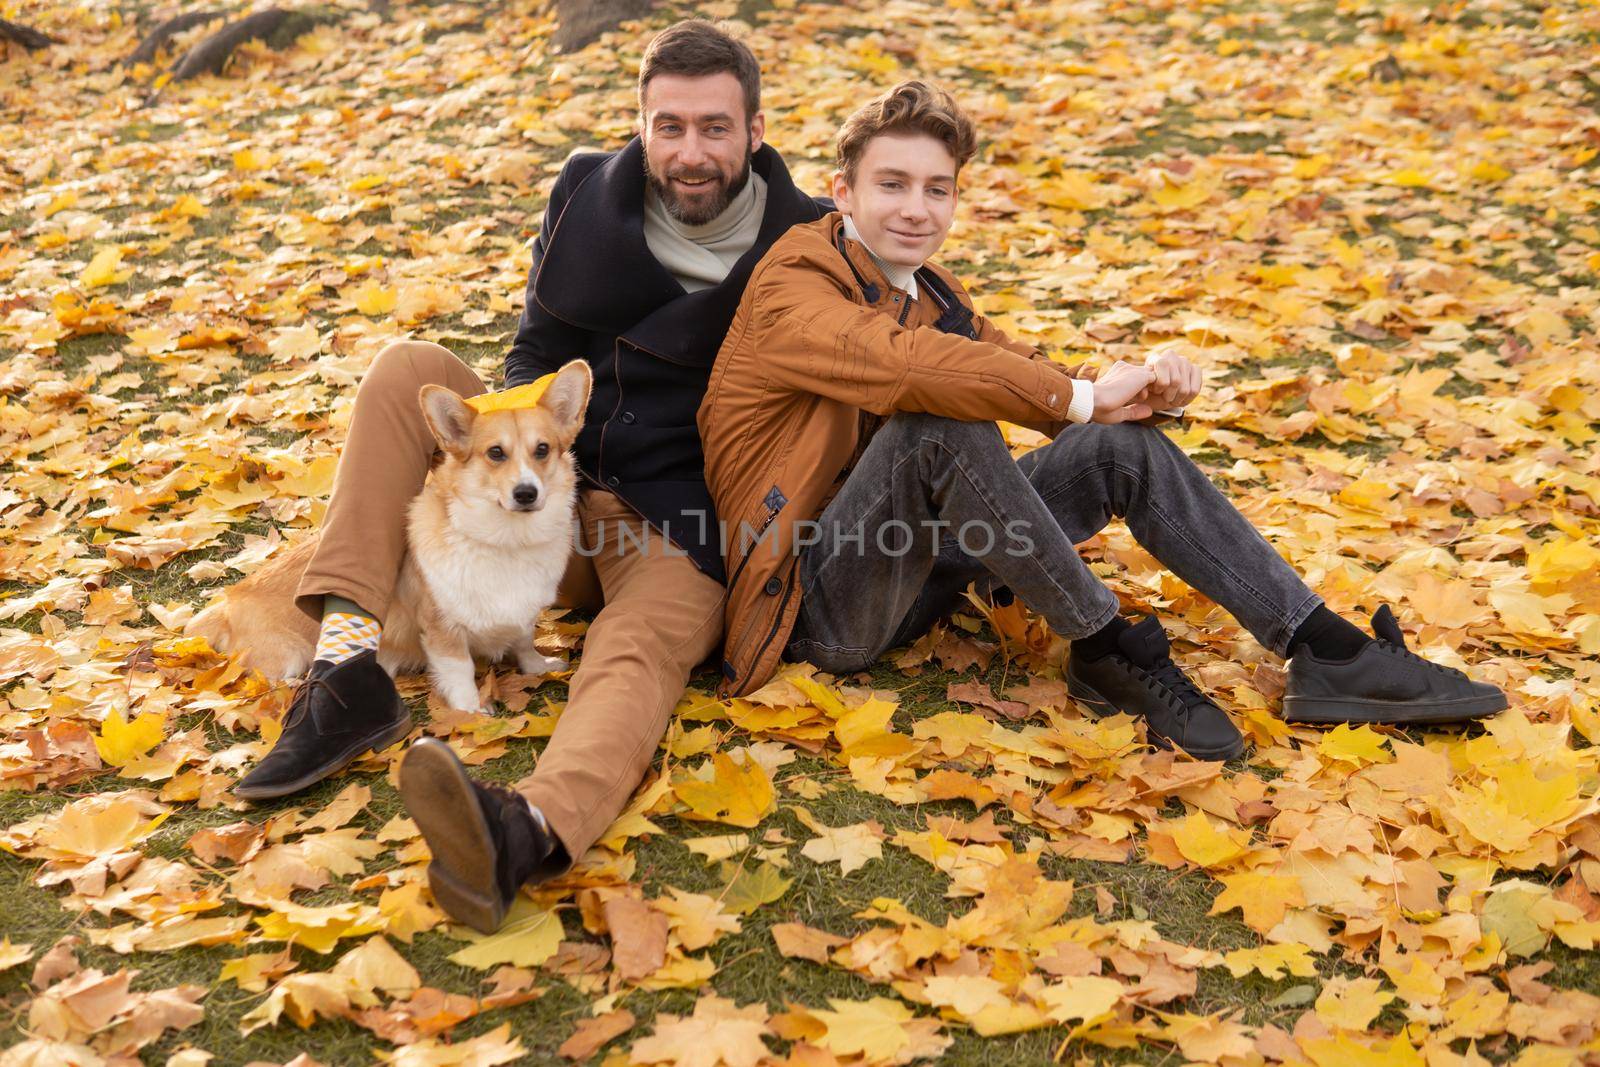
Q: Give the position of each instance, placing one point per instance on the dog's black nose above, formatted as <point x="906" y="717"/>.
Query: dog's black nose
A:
<point x="525" y="494"/>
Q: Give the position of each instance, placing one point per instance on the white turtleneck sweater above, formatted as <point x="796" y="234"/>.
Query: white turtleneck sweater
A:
<point x="701" y="256"/>
<point x="1081" y="408"/>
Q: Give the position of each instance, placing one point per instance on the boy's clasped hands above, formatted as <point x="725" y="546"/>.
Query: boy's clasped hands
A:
<point x="1129" y="392"/>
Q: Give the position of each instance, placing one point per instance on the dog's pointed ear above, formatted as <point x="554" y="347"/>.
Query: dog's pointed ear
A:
<point x="567" y="398"/>
<point x="449" y="417"/>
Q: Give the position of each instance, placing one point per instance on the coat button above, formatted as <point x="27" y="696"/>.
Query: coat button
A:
<point x="1052" y="398"/>
<point x="773" y="586"/>
<point x="613" y="481"/>
<point x="629" y="418"/>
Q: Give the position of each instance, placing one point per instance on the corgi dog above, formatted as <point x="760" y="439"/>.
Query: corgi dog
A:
<point x="487" y="542"/>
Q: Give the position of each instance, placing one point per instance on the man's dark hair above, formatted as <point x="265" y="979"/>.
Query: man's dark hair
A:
<point x="694" y="48"/>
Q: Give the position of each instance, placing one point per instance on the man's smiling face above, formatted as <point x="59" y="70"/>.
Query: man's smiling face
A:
<point x="698" y="143"/>
<point x="903" y="196"/>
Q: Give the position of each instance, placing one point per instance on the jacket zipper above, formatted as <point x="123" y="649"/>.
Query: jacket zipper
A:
<point x="737" y="571"/>
<point x="776" y="623"/>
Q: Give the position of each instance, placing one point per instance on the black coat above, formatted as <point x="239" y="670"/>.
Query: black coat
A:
<point x="595" y="292"/>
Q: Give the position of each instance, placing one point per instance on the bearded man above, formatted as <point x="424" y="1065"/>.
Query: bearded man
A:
<point x="641" y="261"/>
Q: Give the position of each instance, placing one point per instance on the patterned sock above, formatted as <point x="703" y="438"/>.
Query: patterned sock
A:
<point x="346" y="631"/>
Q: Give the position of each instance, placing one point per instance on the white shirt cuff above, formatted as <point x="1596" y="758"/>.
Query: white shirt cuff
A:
<point x="1172" y="413"/>
<point x="1081" y="409"/>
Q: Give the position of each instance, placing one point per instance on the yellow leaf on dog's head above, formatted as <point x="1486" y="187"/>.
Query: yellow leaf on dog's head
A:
<point x="513" y="399"/>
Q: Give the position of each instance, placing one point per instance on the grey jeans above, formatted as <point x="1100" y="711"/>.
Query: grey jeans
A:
<point x="936" y="503"/>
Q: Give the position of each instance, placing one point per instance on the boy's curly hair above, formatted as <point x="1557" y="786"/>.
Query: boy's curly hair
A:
<point x="910" y="107"/>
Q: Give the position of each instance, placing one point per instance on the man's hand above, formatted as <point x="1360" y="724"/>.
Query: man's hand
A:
<point x="1121" y="393"/>
<point x="1176" y="381"/>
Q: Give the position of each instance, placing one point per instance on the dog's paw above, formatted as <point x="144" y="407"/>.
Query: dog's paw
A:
<point x="535" y="663"/>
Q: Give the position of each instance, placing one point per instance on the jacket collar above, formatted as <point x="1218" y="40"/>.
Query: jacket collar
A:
<point x="935" y="283"/>
<point x="597" y="272"/>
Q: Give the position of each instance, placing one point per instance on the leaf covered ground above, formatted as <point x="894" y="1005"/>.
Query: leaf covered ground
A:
<point x="1375" y="225"/>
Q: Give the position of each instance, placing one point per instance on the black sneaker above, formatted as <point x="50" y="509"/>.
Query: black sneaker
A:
<point x="339" y="711"/>
<point x="484" y="838"/>
<point x="1384" y="682"/>
<point x="1143" y="681"/>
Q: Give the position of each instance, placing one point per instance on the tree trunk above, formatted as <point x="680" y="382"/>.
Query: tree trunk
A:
<point x="581" y="21"/>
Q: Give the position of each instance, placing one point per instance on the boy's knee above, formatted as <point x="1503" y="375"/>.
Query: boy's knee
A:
<point x="919" y="428"/>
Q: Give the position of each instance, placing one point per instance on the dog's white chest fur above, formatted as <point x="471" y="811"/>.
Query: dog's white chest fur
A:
<point x="492" y="592"/>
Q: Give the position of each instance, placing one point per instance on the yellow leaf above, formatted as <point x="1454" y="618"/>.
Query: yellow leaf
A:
<point x="1085" y="997"/>
<point x="318" y="928"/>
<point x="62" y="201"/>
<point x="1351" y="1003"/>
<point x="862" y="723"/>
<point x="851" y="846"/>
<point x="373" y="299"/>
<point x="11" y="955"/>
<point x="1408" y="177"/>
<point x="1203" y="844"/>
<point x="1175" y="197"/>
<point x="513" y="399"/>
<point x="738" y="796"/>
<point x="696" y="919"/>
<point x="1485" y="171"/>
<point x="719" y="1032"/>
<point x="1556" y="562"/>
<point x="1272" y="961"/>
<point x="966" y="994"/>
<point x="248" y="159"/>
<point x="529" y="936"/>
<point x="1358" y="746"/>
<point x="121" y="742"/>
<point x="367" y="181"/>
<point x="1310" y="167"/>
<point x="874" y="1029"/>
<point x="102" y="269"/>
<point x="751" y="888"/>
<point x="1262" y="898"/>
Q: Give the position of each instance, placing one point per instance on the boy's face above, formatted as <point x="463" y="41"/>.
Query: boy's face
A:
<point x="903" y="198"/>
<point x="698" y="143"/>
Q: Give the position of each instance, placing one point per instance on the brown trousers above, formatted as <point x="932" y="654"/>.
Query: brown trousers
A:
<point x="658" y="615"/>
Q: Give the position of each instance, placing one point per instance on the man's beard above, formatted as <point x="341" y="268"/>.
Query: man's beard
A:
<point x="699" y="212"/>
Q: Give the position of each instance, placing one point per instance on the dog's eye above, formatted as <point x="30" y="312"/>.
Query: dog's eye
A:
<point x="496" y="453"/>
<point x="542" y="451"/>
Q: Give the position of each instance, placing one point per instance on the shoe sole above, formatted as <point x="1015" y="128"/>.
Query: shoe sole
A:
<point x="1087" y="694"/>
<point x="439" y="797"/>
<point x="1329" y="712"/>
<point x="375" y="743"/>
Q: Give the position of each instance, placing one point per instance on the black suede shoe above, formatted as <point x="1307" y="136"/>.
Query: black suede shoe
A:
<point x="1142" y="680"/>
<point x="1384" y="682"/>
<point x="484" y="838"/>
<point x="339" y="711"/>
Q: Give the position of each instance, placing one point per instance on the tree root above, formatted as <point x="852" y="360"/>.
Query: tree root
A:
<point x="213" y="53"/>
<point x="157" y="38"/>
<point x="26" y="36"/>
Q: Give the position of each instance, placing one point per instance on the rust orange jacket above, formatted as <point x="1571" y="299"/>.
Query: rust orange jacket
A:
<point x="821" y="349"/>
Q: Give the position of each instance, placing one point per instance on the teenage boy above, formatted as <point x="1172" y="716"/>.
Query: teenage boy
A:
<point x="641" y="260"/>
<point x="852" y="455"/>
